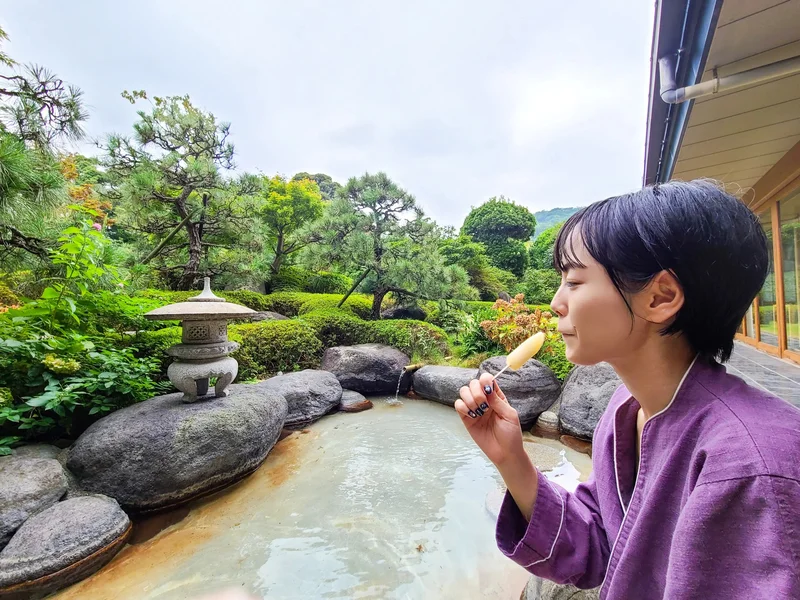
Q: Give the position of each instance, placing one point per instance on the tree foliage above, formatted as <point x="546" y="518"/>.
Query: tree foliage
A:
<point x="470" y="255"/>
<point x="376" y="228"/>
<point x="170" y="175"/>
<point x="541" y="251"/>
<point x="37" y="110"/>
<point x="287" y="209"/>
<point x="327" y="186"/>
<point x="503" y="227"/>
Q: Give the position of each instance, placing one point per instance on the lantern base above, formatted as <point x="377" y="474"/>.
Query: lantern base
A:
<point x="192" y="377"/>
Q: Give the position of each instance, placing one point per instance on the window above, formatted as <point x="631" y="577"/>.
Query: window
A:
<point x="767" y="302"/>
<point x="790" y="250"/>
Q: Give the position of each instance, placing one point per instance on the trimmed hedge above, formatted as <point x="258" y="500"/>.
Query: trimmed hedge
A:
<point x="357" y="304"/>
<point x="271" y="346"/>
<point x="328" y="283"/>
<point x="289" y="279"/>
<point x="336" y="327"/>
<point x="265" y="347"/>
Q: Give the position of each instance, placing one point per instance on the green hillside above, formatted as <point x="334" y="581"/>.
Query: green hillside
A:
<point x="546" y="218"/>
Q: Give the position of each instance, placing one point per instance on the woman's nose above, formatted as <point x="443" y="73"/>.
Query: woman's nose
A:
<point x="558" y="305"/>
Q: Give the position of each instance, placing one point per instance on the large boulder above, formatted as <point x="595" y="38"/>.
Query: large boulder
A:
<point x="310" y="395"/>
<point x="441" y="383"/>
<point x="163" y="452"/>
<point x="27" y="486"/>
<point x="531" y="389"/>
<point x="354" y="402"/>
<point x="62" y="545"/>
<point x="544" y="589"/>
<point x="584" y="398"/>
<point x="404" y="312"/>
<point x="368" y="368"/>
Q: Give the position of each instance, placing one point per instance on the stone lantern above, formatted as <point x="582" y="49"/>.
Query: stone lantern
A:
<point x="204" y="350"/>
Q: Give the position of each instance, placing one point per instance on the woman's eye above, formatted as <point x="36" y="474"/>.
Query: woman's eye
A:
<point x="572" y="284"/>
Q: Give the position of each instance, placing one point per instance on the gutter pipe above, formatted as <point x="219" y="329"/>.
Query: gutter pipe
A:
<point x="671" y="94"/>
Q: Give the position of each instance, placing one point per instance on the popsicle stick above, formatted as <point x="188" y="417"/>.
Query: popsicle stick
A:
<point x="500" y="372"/>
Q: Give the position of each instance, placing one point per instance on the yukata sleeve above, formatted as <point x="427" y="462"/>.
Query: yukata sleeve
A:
<point x="738" y="539"/>
<point x="565" y="540"/>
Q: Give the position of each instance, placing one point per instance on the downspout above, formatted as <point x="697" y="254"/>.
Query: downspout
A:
<point x="698" y="30"/>
<point x="672" y="94"/>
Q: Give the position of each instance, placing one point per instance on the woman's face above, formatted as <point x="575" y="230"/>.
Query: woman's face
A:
<point x="593" y="317"/>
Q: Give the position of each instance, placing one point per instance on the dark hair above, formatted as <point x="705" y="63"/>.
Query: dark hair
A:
<point x="710" y="241"/>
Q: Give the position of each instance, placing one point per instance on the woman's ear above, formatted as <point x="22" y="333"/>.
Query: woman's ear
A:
<point x="661" y="299"/>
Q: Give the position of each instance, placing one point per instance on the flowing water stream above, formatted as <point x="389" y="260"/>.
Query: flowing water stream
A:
<point x="388" y="503"/>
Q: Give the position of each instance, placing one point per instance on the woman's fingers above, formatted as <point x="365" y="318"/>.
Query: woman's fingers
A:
<point x="479" y="396"/>
<point x="463" y="411"/>
<point x="469" y="401"/>
<point x="495" y="397"/>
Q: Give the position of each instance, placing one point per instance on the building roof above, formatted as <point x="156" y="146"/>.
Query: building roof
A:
<point x="736" y="136"/>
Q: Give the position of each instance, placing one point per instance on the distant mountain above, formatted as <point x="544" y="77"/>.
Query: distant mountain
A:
<point x="546" y="218"/>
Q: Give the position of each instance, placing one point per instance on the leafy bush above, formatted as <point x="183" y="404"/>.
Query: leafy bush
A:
<point x="250" y="299"/>
<point x="472" y="339"/>
<point x="119" y="312"/>
<point x="328" y="283"/>
<point x="154" y="344"/>
<point x="417" y="339"/>
<point x="554" y="356"/>
<point x="539" y="285"/>
<point x="474" y="306"/>
<point x="56" y="385"/>
<point x="357" y="304"/>
<point x="285" y="303"/>
<point x="515" y="322"/>
<point x="289" y="279"/>
<point x="336" y="327"/>
<point x="7" y="297"/>
<point x="166" y="296"/>
<point x="271" y="346"/>
<point x="447" y="316"/>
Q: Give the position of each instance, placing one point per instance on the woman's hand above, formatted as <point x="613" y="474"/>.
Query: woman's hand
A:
<point x="495" y="425"/>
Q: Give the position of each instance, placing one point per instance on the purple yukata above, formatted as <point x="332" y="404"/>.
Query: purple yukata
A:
<point x="711" y="512"/>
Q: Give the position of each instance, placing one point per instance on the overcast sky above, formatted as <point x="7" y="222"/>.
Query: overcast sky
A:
<point x="456" y="100"/>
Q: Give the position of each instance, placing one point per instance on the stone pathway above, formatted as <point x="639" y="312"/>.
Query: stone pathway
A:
<point x="780" y="377"/>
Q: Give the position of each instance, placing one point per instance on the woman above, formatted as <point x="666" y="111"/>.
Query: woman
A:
<point x="695" y="490"/>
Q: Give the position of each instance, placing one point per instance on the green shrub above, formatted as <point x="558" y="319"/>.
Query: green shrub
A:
<point x="447" y="316"/>
<point x="57" y="385"/>
<point x="357" y="304"/>
<point x="7" y="297"/>
<point x="167" y="296"/>
<point x="336" y="327"/>
<point x="472" y="339"/>
<point x="285" y="303"/>
<point x="119" y="312"/>
<point x="417" y="339"/>
<point x="553" y="355"/>
<point x="539" y="285"/>
<point x="267" y="347"/>
<point x="250" y="299"/>
<point x="154" y="344"/>
<point x="289" y="279"/>
<point x="328" y="283"/>
<point x="474" y="306"/>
